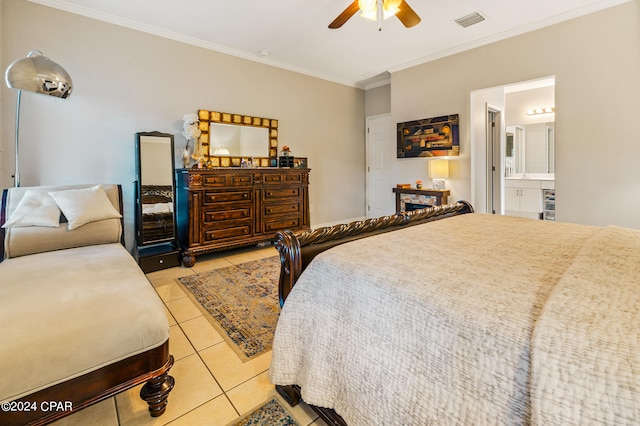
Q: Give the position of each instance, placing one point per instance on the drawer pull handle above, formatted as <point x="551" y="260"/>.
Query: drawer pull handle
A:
<point x="245" y="195"/>
<point x="269" y="193"/>
<point x="268" y="210"/>
<point x="213" y="197"/>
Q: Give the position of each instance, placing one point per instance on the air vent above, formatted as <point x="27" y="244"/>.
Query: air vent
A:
<point x="467" y="21"/>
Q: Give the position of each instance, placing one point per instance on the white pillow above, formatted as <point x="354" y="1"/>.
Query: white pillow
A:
<point x="81" y="206"/>
<point x="36" y="208"/>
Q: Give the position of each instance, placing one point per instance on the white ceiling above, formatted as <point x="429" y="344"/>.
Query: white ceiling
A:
<point x="295" y="36"/>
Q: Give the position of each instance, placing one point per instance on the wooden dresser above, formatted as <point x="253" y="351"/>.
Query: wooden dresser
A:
<point x="219" y="209"/>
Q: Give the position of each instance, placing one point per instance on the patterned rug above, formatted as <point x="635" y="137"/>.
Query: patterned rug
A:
<point x="270" y="413"/>
<point x="241" y="302"/>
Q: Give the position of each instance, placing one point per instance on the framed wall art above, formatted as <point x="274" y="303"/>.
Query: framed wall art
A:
<point x="429" y="137"/>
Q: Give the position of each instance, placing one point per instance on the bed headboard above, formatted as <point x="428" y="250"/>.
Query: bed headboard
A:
<point x="20" y="241"/>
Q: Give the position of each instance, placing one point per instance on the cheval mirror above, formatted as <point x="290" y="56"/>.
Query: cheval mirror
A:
<point x="155" y="201"/>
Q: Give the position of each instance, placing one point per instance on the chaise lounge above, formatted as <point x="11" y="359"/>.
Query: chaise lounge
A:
<point x="80" y="321"/>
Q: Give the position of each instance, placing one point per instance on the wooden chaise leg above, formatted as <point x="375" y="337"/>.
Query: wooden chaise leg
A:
<point x="156" y="393"/>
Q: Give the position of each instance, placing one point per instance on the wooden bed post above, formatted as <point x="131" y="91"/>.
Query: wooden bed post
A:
<point x="290" y="262"/>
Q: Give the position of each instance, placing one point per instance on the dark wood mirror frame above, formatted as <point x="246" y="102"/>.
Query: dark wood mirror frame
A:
<point x="156" y="226"/>
<point x="207" y="117"/>
<point x="156" y="229"/>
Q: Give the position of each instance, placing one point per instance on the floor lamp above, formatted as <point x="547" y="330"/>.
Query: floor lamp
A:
<point x="39" y="74"/>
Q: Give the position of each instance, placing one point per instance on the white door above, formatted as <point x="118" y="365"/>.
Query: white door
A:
<point x="380" y="149"/>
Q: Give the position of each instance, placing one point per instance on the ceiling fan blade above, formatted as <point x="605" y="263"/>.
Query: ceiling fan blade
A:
<point x="407" y="16"/>
<point x="345" y="15"/>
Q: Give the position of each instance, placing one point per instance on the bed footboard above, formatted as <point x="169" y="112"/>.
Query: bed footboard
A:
<point x="297" y="250"/>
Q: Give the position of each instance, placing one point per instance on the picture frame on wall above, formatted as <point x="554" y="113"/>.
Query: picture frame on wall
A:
<point x="429" y="137"/>
<point x="300" y="163"/>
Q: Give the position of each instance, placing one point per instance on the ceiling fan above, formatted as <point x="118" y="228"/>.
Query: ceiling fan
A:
<point x="378" y="10"/>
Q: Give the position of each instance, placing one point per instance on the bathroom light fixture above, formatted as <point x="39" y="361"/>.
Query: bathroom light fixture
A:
<point x="544" y="110"/>
<point x="39" y="74"/>
<point x="438" y="172"/>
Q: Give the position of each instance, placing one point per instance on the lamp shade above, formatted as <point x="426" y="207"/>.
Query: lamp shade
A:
<point x="369" y="8"/>
<point x="39" y="74"/>
<point x="438" y="169"/>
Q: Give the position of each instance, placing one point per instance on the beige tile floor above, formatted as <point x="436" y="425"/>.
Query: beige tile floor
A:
<point x="213" y="386"/>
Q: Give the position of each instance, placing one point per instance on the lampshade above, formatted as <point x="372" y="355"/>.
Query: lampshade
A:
<point x="438" y="169"/>
<point x="39" y="74"/>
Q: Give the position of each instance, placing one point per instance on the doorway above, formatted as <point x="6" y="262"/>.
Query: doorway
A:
<point x="507" y="102"/>
<point x="380" y="149"/>
<point x="494" y="160"/>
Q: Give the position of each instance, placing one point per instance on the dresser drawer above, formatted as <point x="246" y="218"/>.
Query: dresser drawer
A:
<point x="211" y="197"/>
<point x="215" y="180"/>
<point x="272" y="179"/>
<point x="282" y="178"/>
<point x="211" y="215"/>
<point x="156" y="261"/>
<point x="210" y="234"/>
<point x="280" y="224"/>
<point x="272" y="209"/>
<point x="293" y="178"/>
<point x="222" y="180"/>
<point x="271" y="193"/>
<point x="240" y="180"/>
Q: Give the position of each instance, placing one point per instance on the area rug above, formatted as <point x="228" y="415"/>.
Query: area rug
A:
<point x="241" y="302"/>
<point x="270" y="413"/>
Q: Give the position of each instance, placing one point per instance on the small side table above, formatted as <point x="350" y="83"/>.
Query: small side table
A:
<point x="441" y="196"/>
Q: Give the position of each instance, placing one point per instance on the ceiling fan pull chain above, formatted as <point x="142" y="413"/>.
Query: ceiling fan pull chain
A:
<point x="380" y="11"/>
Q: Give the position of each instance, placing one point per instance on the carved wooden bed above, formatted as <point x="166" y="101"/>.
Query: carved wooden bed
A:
<point x="468" y="319"/>
<point x="298" y="250"/>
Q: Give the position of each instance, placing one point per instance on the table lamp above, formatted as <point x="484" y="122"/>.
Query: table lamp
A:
<point x="438" y="172"/>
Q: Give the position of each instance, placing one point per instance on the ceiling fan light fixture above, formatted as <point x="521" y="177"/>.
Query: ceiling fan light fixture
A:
<point x="369" y="8"/>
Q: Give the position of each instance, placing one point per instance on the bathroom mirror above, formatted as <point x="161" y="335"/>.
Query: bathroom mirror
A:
<point x="228" y="138"/>
<point x="530" y="148"/>
<point x="155" y="187"/>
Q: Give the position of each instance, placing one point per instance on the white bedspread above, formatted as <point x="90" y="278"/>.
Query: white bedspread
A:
<point x="433" y="324"/>
<point x="586" y="344"/>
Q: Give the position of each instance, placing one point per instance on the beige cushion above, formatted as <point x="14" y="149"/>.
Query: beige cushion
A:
<point x="29" y="240"/>
<point x="36" y="208"/>
<point x="24" y="241"/>
<point x="69" y="312"/>
<point x="82" y="206"/>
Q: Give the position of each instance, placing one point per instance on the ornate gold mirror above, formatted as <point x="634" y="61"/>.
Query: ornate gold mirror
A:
<point x="228" y="139"/>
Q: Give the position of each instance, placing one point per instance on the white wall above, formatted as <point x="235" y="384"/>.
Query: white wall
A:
<point x="127" y="81"/>
<point x="596" y="63"/>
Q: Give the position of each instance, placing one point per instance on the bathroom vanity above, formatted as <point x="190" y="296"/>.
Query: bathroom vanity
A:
<point x="531" y="196"/>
